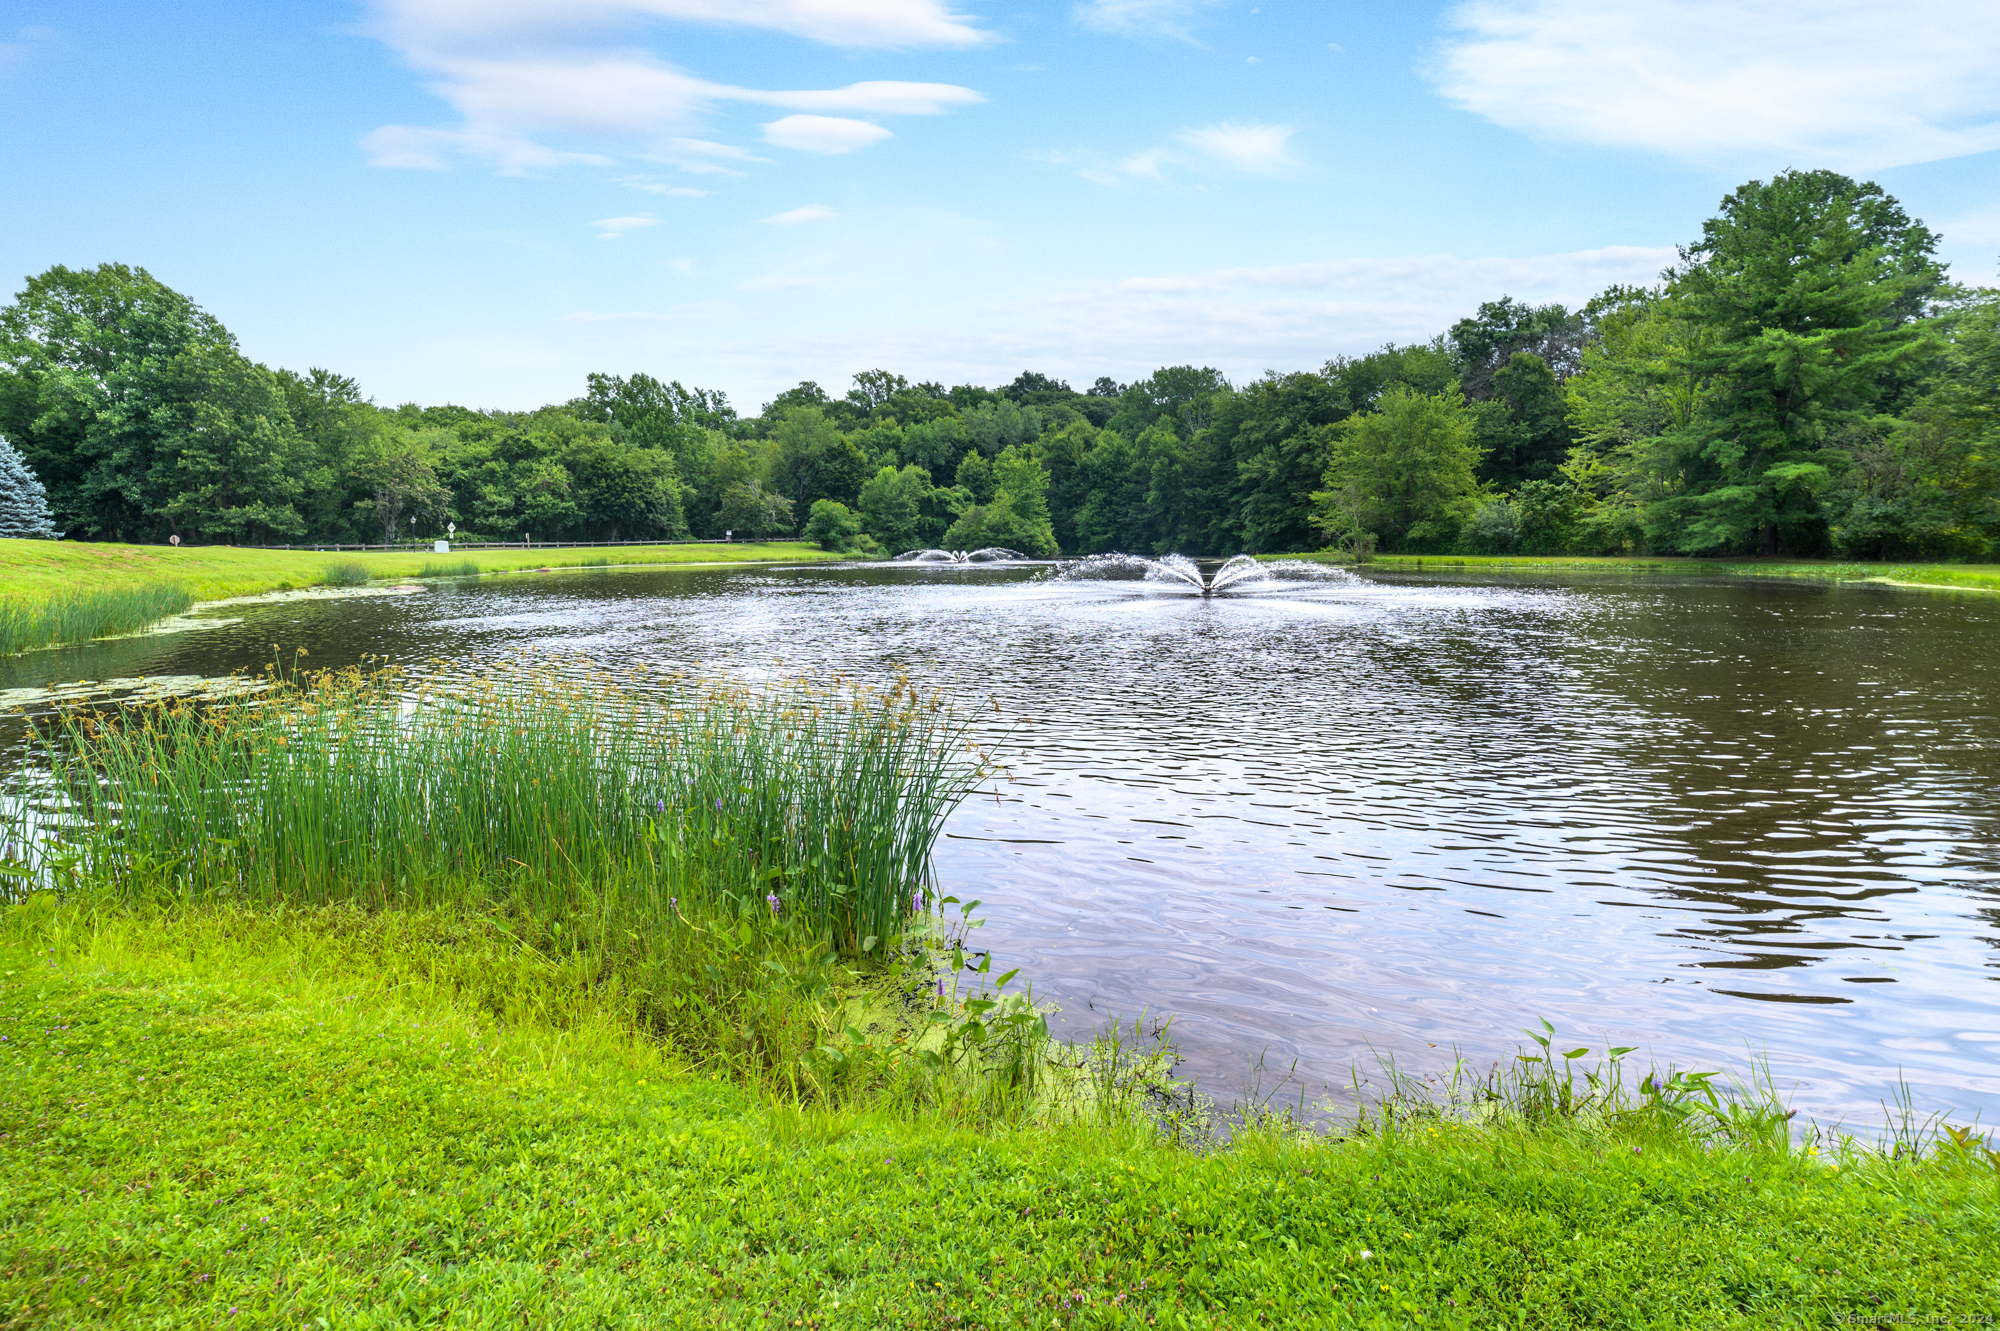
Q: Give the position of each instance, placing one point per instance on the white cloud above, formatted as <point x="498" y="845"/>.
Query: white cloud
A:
<point x="1261" y="150"/>
<point x="414" y="148"/>
<point x="527" y="100"/>
<point x="890" y="23"/>
<point x="881" y="97"/>
<point x="812" y="212"/>
<point x="610" y="228"/>
<point x="823" y="134"/>
<point x="1241" y="320"/>
<point x="1145" y="165"/>
<point x="1855" y="84"/>
<point x="1143" y="18"/>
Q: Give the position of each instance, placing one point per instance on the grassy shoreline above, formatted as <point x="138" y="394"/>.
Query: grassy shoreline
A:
<point x="214" y="1120"/>
<point x="1968" y="577"/>
<point x="54" y="592"/>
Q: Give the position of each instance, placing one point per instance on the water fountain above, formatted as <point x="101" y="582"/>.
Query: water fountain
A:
<point x="1240" y="574"/>
<point x="992" y="554"/>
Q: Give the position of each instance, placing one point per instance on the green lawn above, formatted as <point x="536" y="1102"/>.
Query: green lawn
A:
<point x="41" y="568"/>
<point x="71" y="591"/>
<point x="211" y="1126"/>
<point x="1979" y="577"/>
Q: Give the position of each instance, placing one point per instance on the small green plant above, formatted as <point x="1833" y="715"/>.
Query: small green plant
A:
<point x="346" y="574"/>
<point x="458" y="568"/>
<point x="1972" y="1146"/>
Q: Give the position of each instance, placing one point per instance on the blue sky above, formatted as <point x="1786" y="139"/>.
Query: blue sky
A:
<point x="481" y="200"/>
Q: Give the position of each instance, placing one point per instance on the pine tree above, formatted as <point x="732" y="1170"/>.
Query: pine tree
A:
<point x="24" y="505"/>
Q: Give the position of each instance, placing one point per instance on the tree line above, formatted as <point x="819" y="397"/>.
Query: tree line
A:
<point x="1804" y="380"/>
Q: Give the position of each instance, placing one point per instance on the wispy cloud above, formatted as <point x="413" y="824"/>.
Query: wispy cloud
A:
<point x="610" y="228"/>
<point x="812" y="212"/>
<point x="1261" y="150"/>
<point x="1175" y="19"/>
<point x="415" y="148"/>
<point x="666" y="191"/>
<point x="537" y="85"/>
<point x="823" y="134"/>
<point x="1976" y="226"/>
<point x="23" y="47"/>
<point x="702" y="157"/>
<point x="597" y="317"/>
<point x="866" y="23"/>
<point x="1574" y="275"/>
<point x="1241" y="320"/>
<point x="1852" y="83"/>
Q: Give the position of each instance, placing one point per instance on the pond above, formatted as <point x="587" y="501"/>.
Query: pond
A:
<point x="1330" y="816"/>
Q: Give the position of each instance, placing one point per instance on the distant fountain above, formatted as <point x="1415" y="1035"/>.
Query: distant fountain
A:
<point x="1243" y="573"/>
<point x="992" y="554"/>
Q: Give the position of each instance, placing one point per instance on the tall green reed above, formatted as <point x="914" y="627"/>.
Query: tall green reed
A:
<point x="80" y="615"/>
<point x="347" y="573"/>
<point x="552" y="793"/>
<point x="699" y="855"/>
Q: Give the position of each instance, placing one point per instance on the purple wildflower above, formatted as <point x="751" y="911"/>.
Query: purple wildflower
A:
<point x="718" y="804"/>
<point x="659" y="806"/>
<point x="772" y="898"/>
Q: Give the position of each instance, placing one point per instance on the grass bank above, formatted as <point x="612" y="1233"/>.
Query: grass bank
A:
<point x="265" y="1119"/>
<point x="1979" y="577"/>
<point x="71" y="591"/>
<point x="717" y="864"/>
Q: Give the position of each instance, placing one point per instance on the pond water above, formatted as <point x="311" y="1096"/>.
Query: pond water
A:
<point x="1720" y="820"/>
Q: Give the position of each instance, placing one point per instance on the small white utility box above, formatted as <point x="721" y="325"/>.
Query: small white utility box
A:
<point x="441" y="547"/>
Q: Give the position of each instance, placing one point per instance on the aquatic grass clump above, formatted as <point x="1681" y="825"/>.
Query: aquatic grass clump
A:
<point x="346" y="574"/>
<point x="78" y="615"/>
<point x="437" y="568"/>
<point x="709" y="859"/>
<point x="1547" y="1093"/>
<point x="557" y="795"/>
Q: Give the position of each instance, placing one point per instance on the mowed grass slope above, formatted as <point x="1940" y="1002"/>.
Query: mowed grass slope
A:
<point x="70" y="591"/>
<point x="1981" y="577"/>
<point x="209" y="572"/>
<point x="204" y="1124"/>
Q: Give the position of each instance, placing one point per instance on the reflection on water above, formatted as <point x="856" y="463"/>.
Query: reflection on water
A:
<point x="1716" y="820"/>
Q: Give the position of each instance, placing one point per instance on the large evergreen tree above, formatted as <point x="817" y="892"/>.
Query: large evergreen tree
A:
<point x="24" y="505"/>
<point x="1813" y="287"/>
